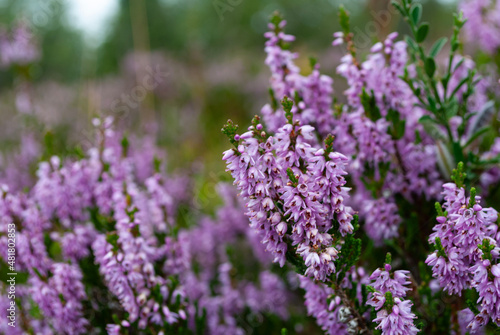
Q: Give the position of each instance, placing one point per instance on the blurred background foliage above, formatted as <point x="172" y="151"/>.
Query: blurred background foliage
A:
<point x="211" y="51"/>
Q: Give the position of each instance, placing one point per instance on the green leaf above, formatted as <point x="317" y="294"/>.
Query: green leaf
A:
<point x="276" y="19"/>
<point x="426" y="118"/>
<point x="329" y="143"/>
<point x="459" y="64"/>
<point x="388" y="258"/>
<point x="344" y="19"/>
<point x="287" y="107"/>
<point x="432" y="103"/>
<point x="49" y="141"/>
<point x="312" y="62"/>
<point x="445" y="161"/>
<point x="418" y="137"/>
<point x="459" y="20"/>
<point x="436" y="48"/>
<point x="457" y="151"/>
<point x="430" y="67"/>
<point x="230" y="129"/>
<point x="476" y="135"/>
<point x="125" y="145"/>
<point x="157" y="164"/>
<point x="55" y="250"/>
<point x="370" y="105"/>
<point x="274" y="102"/>
<point x="472" y="198"/>
<point x="416" y="13"/>
<point x="113" y="240"/>
<point x="292" y="177"/>
<point x="439" y="247"/>
<point x="484" y="117"/>
<point x="397" y="128"/>
<point x="422" y="32"/>
<point x="458" y="175"/>
<point x="452" y="109"/>
<point x="472" y="306"/>
<point x="486" y="247"/>
<point x="431" y="128"/>
<point x="411" y="43"/>
<point x="439" y="209"/>
<point x="399" y="8"/>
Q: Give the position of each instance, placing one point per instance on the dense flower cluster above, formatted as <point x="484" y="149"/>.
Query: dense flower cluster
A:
<point x="394" y="314"/>
<point x="16" y="166"/>
<point x="106" y="241"/>
<point x="491" y="176"/>
<point x="18" y="46"/>
<point x="482" y="28"/>
<point x="458" y="234"/>
<point x="327" y="308"/>
<point x="371" y="130"/>
<point x="294" y="193"/>
<point x="466" y="240"/>
<point x="314" y="91"/>
<point x="294" y="187"/>
<point x="391" y="147"/>
<point x="113" y="213"/>
<point x="206" y="247"/>
<point x="381" y="219"/>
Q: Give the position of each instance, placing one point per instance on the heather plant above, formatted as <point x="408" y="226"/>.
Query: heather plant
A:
<point x="371" y="211"/>
<point x="104" y="244"/>
<point x="482" y="29"/>
<point x="332" y="184"/>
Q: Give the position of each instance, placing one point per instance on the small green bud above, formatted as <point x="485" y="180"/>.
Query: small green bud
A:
<point x="388" y="258"/>
<point x="472" y="306"/>
<point x="439" y="210"/>
<point x="157" y="164"/>
<point x="439" y="247"/>
<point x="287" y="107"/>
<point x="125" y="145"/>
<point x="486" y="248"/>
<point x="276" y="19"/>
<point x="274" y="101"/>
<point x="230" y="130"/>
<point x="370" y="289"/>
<point x="312" y="62"/>
<point x="389" y="300"/>
<point x="292" y="177"/>
<point x="370" y="105"/>
<point x="472" y="199"/>
<point x="329" y="144"/>
<point x="458" y="175"/>
<point x="344" y="20"/>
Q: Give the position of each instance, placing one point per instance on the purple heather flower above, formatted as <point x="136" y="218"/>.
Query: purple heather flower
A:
<point x="465" y="317"/>
<point x="487" y="283"/>
<point x="398" y="320"/>
<point x="394" y="316"/>
<point x="381" y="220"/>
<point x="18" y="47"/>
<point x="481" y="28"/>
<point x="492" y="175"/>
<point x="60" y="298"/>
<point x="411" y="167"/>
<point x="315" y="90"/>
<point x="322" y="304"/>
<point x="306" y="210"/>
<point x="385" y="281"/>
<point x="460" y="233"/>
